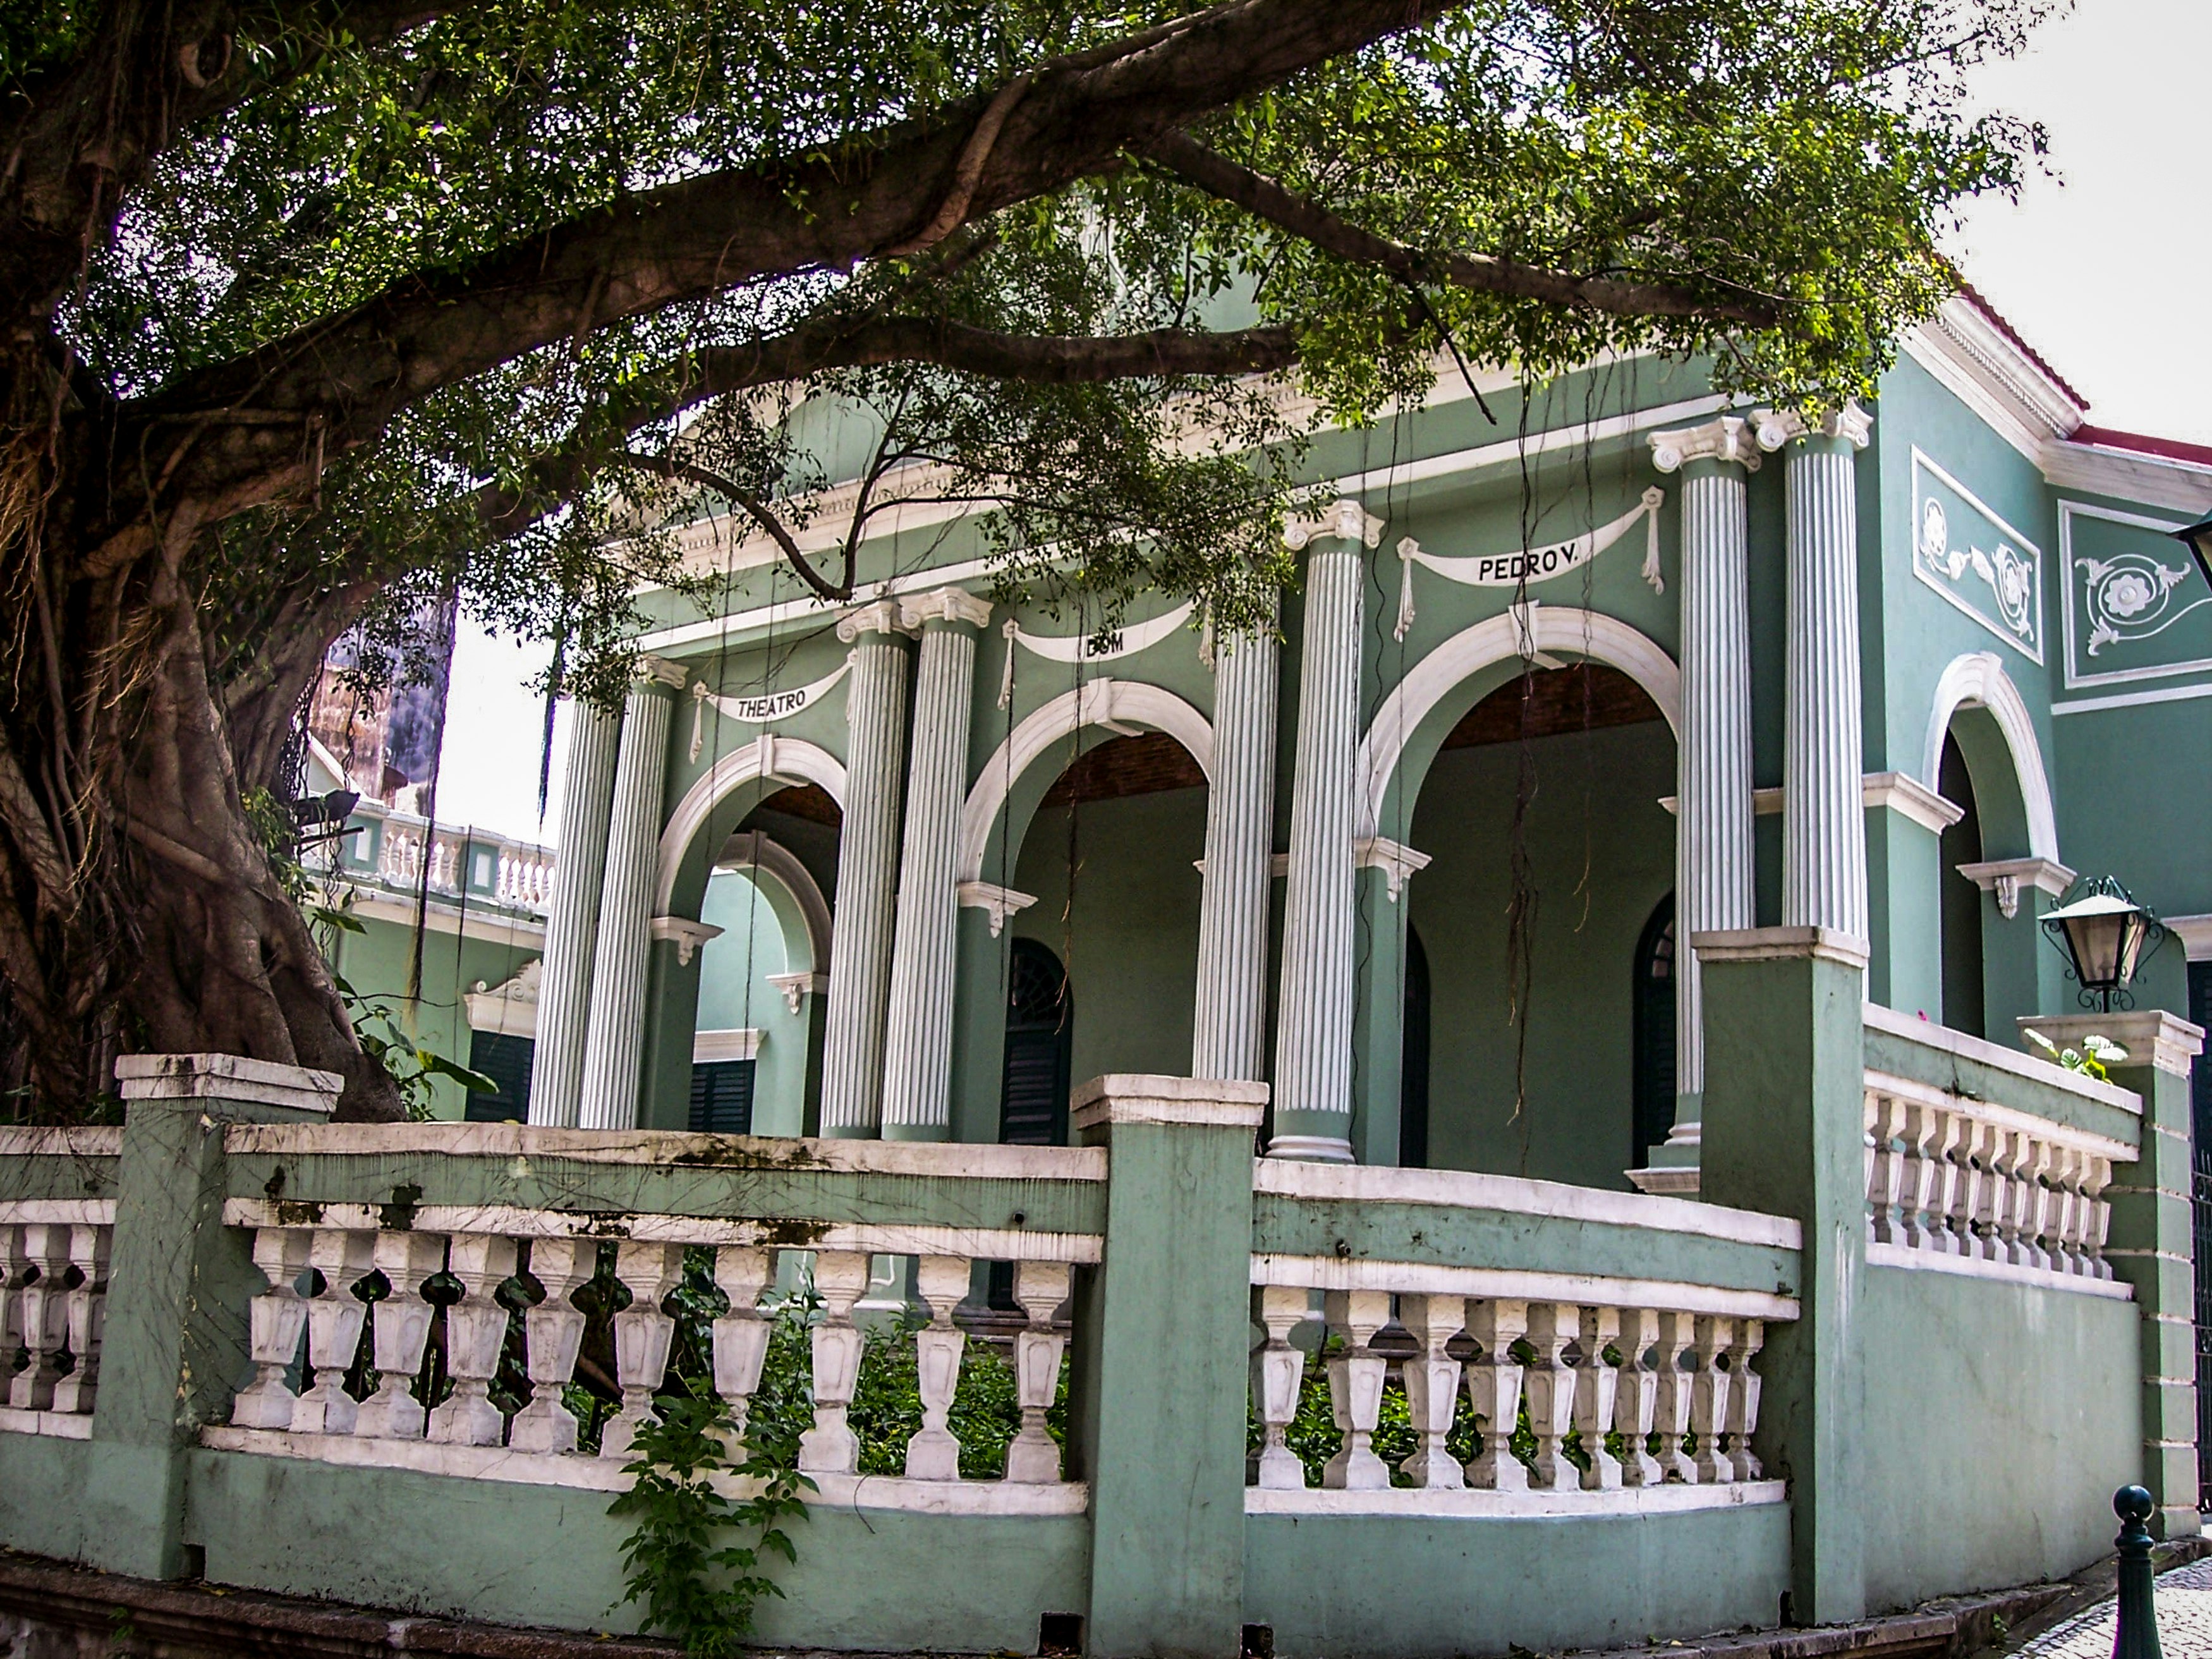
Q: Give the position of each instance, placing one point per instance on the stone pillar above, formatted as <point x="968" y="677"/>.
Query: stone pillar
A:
<point x="1715" y="870"/>
<point x="2150" y="1243"/>
<point x="572" y="919"/>
<point x="1160" y="1374"/>
<point x="614" y="1043"/>
<point x="1824" y="872"/>
<point x="918" y="1039"/>
<point x="1313" y="1033"/>
<point x="1229" y="1027"/>
<point x="868" y="863"/>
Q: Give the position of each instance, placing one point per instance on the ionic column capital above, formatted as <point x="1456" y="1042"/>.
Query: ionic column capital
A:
<point x="1778" y="427"/>
<point x="1345" y="520"/>
<point x="948" y="604"/>
<point x="1725" y="438"/>
<point x="877" y="616"/>
<point x="658" y="670"/>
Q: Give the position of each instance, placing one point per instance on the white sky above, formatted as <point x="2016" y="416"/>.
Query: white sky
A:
<point x="2105" y="267"/>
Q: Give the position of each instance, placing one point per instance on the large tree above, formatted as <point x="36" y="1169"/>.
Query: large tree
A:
<point x="319" y="310"/>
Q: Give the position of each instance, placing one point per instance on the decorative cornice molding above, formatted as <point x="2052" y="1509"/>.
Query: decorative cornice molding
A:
<point x="741" y="1042"/>
<point x="2006" y="876"/>
<point x="1910" y="799"/>
<point x="508" y="1009"/>
<point x="658" y="670"/>
<point x="1726" y="438"/>
<point x="226" y="1077"/>
<point x="946" y="605"/>
<point x="1398" y="862"/>
<point x="1201" y="1103"/>
<point x="1981" y="366"/>
<point x="797" y="987"/>
<point x="685" y="934"/>
<point x="2170" y="1042"/>
<point x="1780" y="944"/>
<point x="877" y="616"/>
<point x="1778" y="427"/>
<point x="1346" y="520"/>
<point x="2195" y="933"/>
<point x="1000" y="901"/>
<point x="2159" y="481"/>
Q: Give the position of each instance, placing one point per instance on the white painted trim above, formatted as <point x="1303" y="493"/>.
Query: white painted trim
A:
<point x="55" y="1425"/>
<point x="2006" y="876"/>
<point x="2067" y="513"/>
<point x="226" y="1077"/>
<point x="790" y="760"/>
<point x="1310" y="1149"/>
<point x="1911" y="800"/>
<point x="1142" y="1097"/>
<point x="2195" y="933"/>
<point x="1978" y="680"/>
<point x="1106" y="702"/>
<point x="799" y="985"/>
<point x="1668" y="1180"/>
<point x="2161" y="481"/>
<point x="738" y="1042"/>
<point x="86" y="1141"/>
<point x="2040" y="1279"/>
<point x="1458" y="463"/>
<point x="1470" y="1503"/>
<point x="1335" y="1273"/>
<point x="2131" y="700"/>
<point x="1983" y="1052"/>
<point x="581" y="1469"/>
<point x="1922" y="459"/>
<point x="1567" y="631"/>
<point x="760" y="852"/>
<point x="57" y="1212"/>
<point x="2168" y="1041"/>
<point x="944" y="1160"/>
<point x="1891" y="1085"/>
<point x="685" y="934"/>
<point x="443" y="914"/>
<point x="1981" y="367"/>
<point x="863" y="1238"/>
<point x="1000" y="901"/>
<point x="1375" y="1183"/>
<point x="1780" y="944"/>
<point x="1398" y="862"/>
<point x="509" y="1008"/>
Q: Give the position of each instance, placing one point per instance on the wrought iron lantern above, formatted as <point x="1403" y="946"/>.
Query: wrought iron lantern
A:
<point x="2106" y="937"/>
<point x="2197" y="538"/>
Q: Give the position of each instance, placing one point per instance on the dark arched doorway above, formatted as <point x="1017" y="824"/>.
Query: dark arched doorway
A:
<point x="1963" y="1009"/>
<point x="1653" y="1003"/>
<point x="1413" y="1061"/>
<point x="1039" y="1033"/>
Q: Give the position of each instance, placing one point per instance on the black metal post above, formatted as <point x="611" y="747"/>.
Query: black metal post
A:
<point x="2136" y="1637"/>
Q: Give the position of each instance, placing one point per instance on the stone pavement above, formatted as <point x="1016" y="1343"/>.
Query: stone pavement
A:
<point x="2184" y="1622"/>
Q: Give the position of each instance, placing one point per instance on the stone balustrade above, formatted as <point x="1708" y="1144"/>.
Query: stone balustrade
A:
<point x="1982" y="1161"/>
<point x="394" y="849"/>
<point x="1523" y="1321"/>
<point x="53" y="1284"/>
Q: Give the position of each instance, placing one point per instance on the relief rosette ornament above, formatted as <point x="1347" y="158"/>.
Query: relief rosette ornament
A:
<point x="2011" y="577"/>
<point x="2131" y="596"/>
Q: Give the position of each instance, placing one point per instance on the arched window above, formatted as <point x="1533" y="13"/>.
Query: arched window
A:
<point x="1040" y="1031"/>
<point x="1960" y="913"/>
<point x="1413" y="1061"/>
<point x="1653" y="1003"/>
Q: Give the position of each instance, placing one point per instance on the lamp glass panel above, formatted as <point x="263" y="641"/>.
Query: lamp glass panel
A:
<point x="2095" y="941"/>
<point x="2132" y="934"/>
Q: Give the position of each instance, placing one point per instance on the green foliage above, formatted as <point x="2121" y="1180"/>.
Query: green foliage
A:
<point x="380" y="1024"/>
<point x="694" y="1587"/>
<point x="2093" y="1058"/>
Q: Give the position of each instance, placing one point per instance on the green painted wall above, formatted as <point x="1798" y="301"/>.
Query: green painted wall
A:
<point x="734" y="994"/>
<point x="2000" y="1419"/>
<point x="375" y="962"/>
<point x="1595" y="824"/>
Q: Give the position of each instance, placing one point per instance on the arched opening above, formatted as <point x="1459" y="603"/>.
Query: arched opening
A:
<point x="1653" y="999"/>
<point x="1040" y="1049"/>
<point x="1960" y="908"/>
<point x="1581" y="755"/>
<point x="1413" y="1063"/>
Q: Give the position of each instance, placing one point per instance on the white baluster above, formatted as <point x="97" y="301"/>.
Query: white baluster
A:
<point x="1033" y="1456"/>
<point x="1886" y="1194"/>
<point x="476" y="1332"/>
<point x="1943" y="1192"/>
<point x="1493" y="1387"/>
<point x="552" y="1335"/>
<point x="2034" y="1201"/>
<point x="941" y="1281"/>
<point x="14" y="1267"/>
<point x="1743" y="1399"/>
<point x="277" y="1316"/>
<point x="1636" y="1405"/>
<point x="1915" y="1186"/>
<point x="1677" y="1334"/>
<point x="400" y="1329"/>
<point x="643" y="1336"/>
<point x="2007" y="1195"/>
<point x="1550" y="1385"/>
<point x="1708" y="1400"/>
<point x="2072" y="1212"/>
<point x="1356" y="1374"/>
<point x="831" y="1447"/>
<point x="335" y="1317"/>
<point x="87" y="1317"/>
<point x="42" y="1314"/>
<point x="741" y="1335"/>
<point x="1433" y="1387"/>
<point x="2100" y="1216"/>
<point x="1278" y="1368"/>
<point x="1597" y="1382"/>
<point x="1970" y="1187"/>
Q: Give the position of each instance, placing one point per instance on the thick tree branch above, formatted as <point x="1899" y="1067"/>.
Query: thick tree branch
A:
<point x="244" y="432"/>
<point x="1482" y="273"/>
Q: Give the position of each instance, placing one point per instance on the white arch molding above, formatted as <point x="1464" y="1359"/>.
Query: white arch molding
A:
<point x="760" y="856"/>
<point x="1562" y="631"/>
<point x="781" y="760"/>
<point x="1109" y="703"/>
<point x="1979" y="680"/>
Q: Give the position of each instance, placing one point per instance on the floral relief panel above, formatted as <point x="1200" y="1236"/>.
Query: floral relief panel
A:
<point x="1975" y="560"/>
<point x="2135" y="607"/>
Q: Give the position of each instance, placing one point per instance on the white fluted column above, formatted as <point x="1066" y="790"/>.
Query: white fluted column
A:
<point x="614" y="1040"/>
<point x="572" y="919"/>
<point x="918" y="1037"/>
<point x="868" y="863"/>
<point x="1313" y="1033"/>
<point x="1715" y="875"/>
<point x="1228" y="1029"/>
<point x="1824" y="872"/>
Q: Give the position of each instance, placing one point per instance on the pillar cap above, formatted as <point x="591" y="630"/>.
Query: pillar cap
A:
<point x="227" y="1077"/>
<point x="877" y="616"/>
<point x="1345" y="520"/>
<point x="1778" y="427"/>
<point x="1725" y="438"/>
<point x="658" y="670"/>
<point x="1140" y="1097"/>
<point x="950" y="605"/>
<point x="2165" y="1041"/>
<point x="1780" y="944"/>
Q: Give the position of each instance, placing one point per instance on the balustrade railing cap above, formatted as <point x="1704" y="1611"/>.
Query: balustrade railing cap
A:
<point x="1780" y="944"/>
<point x="1140" y="1097"/>
<point x="227" y="1077"/>
<point x="2166" y="1041"/>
